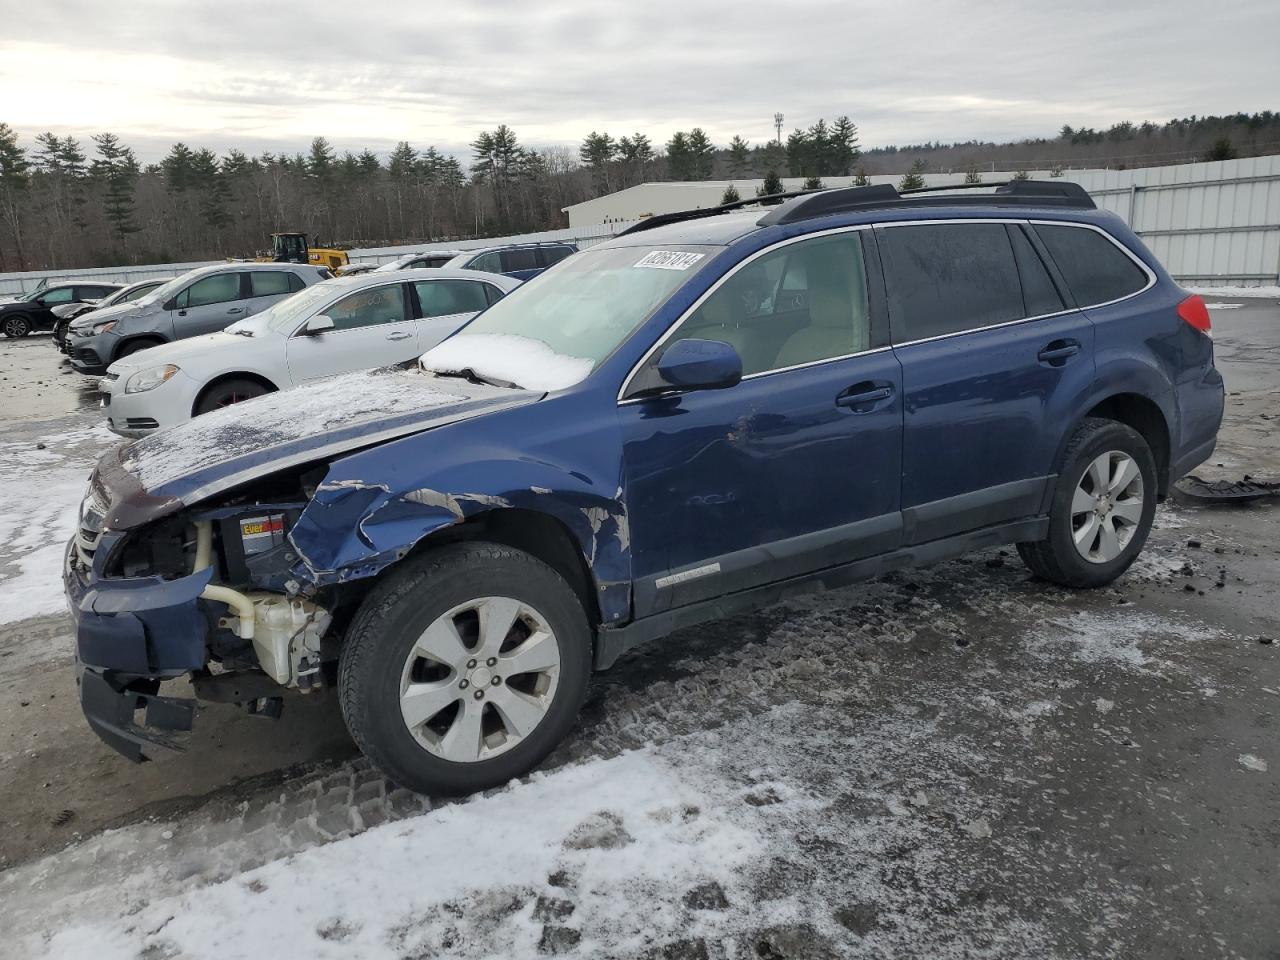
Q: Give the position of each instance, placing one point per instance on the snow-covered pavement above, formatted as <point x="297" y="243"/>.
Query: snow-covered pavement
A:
<point x="41" y="485"/>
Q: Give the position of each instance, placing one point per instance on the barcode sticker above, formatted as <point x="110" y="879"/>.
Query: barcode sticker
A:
<point x="669" y="260"/>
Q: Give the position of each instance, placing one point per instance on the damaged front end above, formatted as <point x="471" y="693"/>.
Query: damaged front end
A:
<point x="204" y="592"/>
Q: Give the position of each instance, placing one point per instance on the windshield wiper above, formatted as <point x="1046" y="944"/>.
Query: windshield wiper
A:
<point x="469" y="374"/>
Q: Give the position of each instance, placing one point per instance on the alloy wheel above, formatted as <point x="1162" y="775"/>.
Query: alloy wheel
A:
<point x="1106" y="508"/>
<point x="480" y="679"/>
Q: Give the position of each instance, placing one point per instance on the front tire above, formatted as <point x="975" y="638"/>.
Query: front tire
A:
<point x="465" y="668"/>
<point x="16" y="327"/>
<point x="1103" y="507"/>
<point x="228" y="392"/>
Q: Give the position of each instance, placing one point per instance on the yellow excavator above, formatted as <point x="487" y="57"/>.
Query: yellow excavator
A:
<point x="293" y="248"/>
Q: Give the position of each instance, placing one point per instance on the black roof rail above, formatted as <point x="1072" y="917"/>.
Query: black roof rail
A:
<point x="808" y="204"/>
<point x="1032" y="193"/>
<point x="662" y="219"/>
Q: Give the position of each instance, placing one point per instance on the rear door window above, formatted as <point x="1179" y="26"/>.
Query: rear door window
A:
<point x="522" y="259"/>
<point x="269" y="283"/>
<point x="439" y="298"/>
<point x="1096" y="270"/>
<point x="945" y="278"/>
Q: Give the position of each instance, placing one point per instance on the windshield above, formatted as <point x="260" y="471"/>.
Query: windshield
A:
<point x="286" y="314"/>
<point x="554" y="330"/>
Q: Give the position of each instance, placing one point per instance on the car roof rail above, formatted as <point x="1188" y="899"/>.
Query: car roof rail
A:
<point x="662" y="219"/>
<point x="1030" y="193"/>
<point x="800" y="205"/>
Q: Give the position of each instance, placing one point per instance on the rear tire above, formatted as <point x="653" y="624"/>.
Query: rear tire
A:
<point x="439" y="703"/>
<point x="16" y="327"/>
<point x="1103" y="507"/>
<point x="228" y="392"/>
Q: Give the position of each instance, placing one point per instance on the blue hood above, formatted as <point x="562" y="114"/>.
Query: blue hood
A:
<point x="215" y="452"/>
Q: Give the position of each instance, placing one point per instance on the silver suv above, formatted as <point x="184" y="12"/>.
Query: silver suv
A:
<point x="202" y="301"/>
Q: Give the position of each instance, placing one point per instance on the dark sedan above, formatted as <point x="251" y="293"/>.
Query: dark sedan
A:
<point x="34" y="311"/>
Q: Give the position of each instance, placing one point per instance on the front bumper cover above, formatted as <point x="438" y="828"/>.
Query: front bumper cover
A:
<point x="111" y="703"/>
<point x="130" y="635"/>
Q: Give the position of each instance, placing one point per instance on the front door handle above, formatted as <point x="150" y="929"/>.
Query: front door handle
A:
<point x="861" y="394"/>
<point x="235" y="310"/>
<point x="1058" y="352"/>
<point x="399" y="336"/>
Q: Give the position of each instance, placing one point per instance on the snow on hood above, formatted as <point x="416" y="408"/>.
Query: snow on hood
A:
<point x="524" y="361"/>
<point x="218" y="450"/>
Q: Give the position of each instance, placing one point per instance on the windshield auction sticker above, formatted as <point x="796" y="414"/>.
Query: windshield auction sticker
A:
<point x="669" y="260"/>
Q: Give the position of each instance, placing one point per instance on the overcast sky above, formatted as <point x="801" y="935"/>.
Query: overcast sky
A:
<point x="264" y="76"/>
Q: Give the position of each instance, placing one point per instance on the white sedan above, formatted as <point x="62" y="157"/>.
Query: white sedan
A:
<point x="351" y="323"/>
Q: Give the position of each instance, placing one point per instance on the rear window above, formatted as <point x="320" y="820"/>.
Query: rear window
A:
<point x="1096" y="270"/>
<point x="947" y="277"/>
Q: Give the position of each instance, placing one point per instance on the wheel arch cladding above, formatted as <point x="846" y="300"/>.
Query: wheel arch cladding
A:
<point x="353" y="529"/>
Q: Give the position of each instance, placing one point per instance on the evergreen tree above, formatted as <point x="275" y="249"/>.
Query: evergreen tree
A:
<point x="679" y="157"/>
<point x="814" y="183"/>
<point x="1022" y="174"/>
<point x="971" y="174"/>
<point x="215" y="194"/>
<point x="15" y="177"/>
<point x="798" y="153"/>
<point x="739" y="157"/>
<point x="701" y="154"/>
<point x="116" y="170"/>
<point x="862" y="180"/>
<point x="772" y="184"/>
<point x="845" y="149"/>
<point x="730" y="195"/>
<point x="597" y="154"/>
<point x="176" y="168"/>
<point x="1222" y="149"/>
<point x="913" y="179"/>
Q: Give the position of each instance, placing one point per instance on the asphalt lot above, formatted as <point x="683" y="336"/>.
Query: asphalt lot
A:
<point x="991" y="766"/>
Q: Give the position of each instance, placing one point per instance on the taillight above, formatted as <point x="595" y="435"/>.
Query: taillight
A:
<point x="1196" y="313"/>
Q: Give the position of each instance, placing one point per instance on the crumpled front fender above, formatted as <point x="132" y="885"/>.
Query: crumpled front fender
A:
<point x="353" y="529"/>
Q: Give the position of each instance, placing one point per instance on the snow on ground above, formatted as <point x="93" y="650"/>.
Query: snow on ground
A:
<point x="40" y="493"/>
<point x="1270" y="290"/>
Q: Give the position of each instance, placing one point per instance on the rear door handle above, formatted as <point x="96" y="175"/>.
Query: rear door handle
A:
<point x="399" y="336"/>
<point x="1058" y="352"/>
<point x="863" y="393"/>
<point x="236" y="310"/>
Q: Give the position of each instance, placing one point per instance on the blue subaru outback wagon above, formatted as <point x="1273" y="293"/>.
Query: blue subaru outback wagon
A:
<point x="709" y="412"/>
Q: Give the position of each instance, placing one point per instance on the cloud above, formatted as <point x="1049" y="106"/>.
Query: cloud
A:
<point x="245" y="74"/>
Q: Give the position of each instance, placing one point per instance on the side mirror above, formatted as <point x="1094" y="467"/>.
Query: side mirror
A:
<point x="318" y="324"/>
<point x="700" y="365"/>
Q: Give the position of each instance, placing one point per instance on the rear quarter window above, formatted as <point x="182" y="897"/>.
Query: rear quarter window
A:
<point x="1095" y="269"/>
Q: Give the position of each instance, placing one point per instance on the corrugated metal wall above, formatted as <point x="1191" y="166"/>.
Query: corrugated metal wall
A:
<point x="1209" y="223"/>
